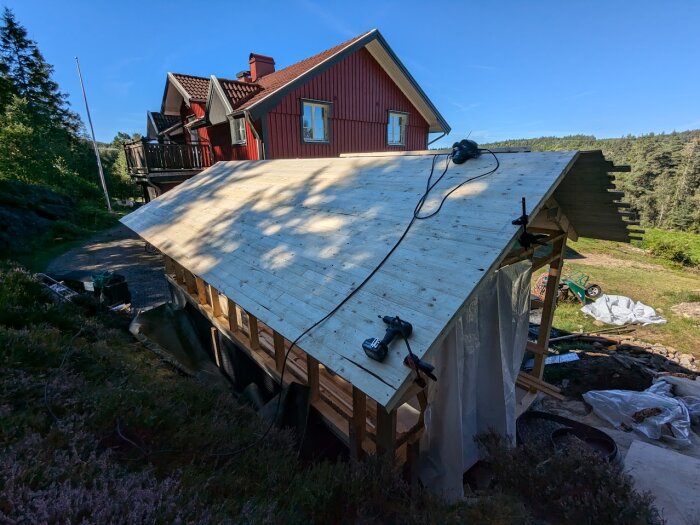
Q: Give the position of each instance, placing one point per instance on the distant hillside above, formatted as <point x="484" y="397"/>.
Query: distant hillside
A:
<point x="664" y="185"/>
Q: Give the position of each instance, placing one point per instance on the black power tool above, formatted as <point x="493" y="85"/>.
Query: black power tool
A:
<point x="464" y="150"/>
<point x="377" y="349"/>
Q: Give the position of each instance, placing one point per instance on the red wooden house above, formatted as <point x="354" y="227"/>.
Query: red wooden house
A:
<point x="354" y="97"/>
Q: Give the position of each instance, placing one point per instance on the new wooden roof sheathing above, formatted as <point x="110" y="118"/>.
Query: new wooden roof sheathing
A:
<point x="288" y="239"/>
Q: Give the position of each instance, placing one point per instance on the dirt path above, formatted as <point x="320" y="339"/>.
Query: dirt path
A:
<point x="118" y="250"/>
<point x="603" y="259"/>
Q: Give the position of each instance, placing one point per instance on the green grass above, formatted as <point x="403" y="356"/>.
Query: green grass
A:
<point x="627" y="270"/>
<point x="689" y="241"/>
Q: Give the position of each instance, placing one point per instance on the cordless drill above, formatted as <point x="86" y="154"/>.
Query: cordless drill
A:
<point x="377" y="349"/>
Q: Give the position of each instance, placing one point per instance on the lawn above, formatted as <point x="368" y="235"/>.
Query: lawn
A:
<point x="633" y="271"/>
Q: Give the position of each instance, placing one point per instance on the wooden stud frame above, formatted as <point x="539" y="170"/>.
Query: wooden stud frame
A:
<point x="556" y="238"/>
<point x="360" y="422"/>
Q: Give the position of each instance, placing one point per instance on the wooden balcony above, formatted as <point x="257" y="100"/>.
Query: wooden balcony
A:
<point x="145" y="159"/>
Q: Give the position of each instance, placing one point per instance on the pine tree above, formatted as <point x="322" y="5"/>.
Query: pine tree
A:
<point x="30" y="76"/>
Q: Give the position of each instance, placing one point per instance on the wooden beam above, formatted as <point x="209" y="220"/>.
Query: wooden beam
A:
<point x="254" y="334"/>
<point x="535" y="348"/>
<point x="312" y="378"/>
<point x="232" y="320"/>
<point x="539" y="262"/>
<point x="215" y="302"/>
<point x="169" y="265"/>
<point x="215" y="346"/>
<point x="359" y="419"/>
<point x="549" y="305"/>
<point x="201" y="290"/>
<point x="386" y="432"/>
<point x="279" y="348"/>
<point x="190" y="281"/>
<point x="533" y="384"/>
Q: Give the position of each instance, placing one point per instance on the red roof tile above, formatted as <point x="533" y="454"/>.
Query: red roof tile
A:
<point x="164" y="122"/>
<point x="196" y="87"/>
<point x="238" y="92"/>
<point x="274" y="81"/>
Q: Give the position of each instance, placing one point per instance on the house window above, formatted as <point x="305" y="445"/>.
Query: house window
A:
<point x="238" y="132"/>
<point x="396" y="128"/>
<point x="314" y="121"/>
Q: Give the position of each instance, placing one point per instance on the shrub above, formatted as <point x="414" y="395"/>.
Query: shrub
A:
<point x="672" y="251"/>
<point x="96" y="430"/>
<point x="575" y="486"/>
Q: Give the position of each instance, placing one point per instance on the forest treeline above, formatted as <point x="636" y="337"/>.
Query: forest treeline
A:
<point x="664" y="184"/>
<point x="42" y="141"/>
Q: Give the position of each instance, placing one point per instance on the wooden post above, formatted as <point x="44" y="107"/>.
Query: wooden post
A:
<point x="169" y="265"/>
<point x="215" y="302"/>
<point x="232" y="319"/>
<point x="412" y="459"/>
<point x="359" y="420"/>
<point x="201" y="290"/>
<point x="190" y="282"/>
<point x="215" y="346"/>
<point x="254" y="337"/>
<point x="550" y="303"/>
<point x="312" y="378"/>
<point x="279" y="349"/>
<point x="386" y="432"/>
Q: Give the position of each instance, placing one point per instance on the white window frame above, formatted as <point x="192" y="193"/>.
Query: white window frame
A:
<point x="326" y="121"/>
<point x="391" y="129"/>
<point x="239" y="134"/>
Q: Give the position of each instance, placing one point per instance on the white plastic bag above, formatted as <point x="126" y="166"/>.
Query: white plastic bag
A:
<point x="652" y="415"/>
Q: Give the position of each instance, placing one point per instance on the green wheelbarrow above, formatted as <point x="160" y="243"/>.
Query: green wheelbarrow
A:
<point x="577" y="284"/>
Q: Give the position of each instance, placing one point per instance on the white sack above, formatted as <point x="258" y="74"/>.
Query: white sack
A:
<point x="619" y="310"/>
<point x="625" y="408"/>
<point x="476" y="367"/>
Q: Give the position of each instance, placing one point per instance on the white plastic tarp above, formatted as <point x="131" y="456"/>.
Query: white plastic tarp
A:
<point x="476" y="365"/>
<point x="619" y="310"/>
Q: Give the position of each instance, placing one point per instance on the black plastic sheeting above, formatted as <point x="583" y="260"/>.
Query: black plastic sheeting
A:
<point x="182" y="337"/>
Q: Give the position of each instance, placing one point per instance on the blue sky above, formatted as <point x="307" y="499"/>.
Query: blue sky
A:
<point x="499" y="70"/>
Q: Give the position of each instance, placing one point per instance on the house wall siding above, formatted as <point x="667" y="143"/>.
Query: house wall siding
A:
<point x="219" y="136"/>
<point x="361" y="95"/>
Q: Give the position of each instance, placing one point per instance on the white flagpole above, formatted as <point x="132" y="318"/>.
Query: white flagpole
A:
<point x="94" y="142"/>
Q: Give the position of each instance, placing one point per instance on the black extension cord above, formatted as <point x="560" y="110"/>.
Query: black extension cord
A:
<point x="429" y="186"/>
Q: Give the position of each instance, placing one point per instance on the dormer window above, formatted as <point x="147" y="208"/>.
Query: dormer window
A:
<point x="238" y="131"/>
<point x="396" y="128"/>
<point x="314" y="121"/>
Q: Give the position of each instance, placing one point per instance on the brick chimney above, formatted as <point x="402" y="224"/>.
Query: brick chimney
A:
<point x="260" y="65"/>
<point x="243" y="76"/>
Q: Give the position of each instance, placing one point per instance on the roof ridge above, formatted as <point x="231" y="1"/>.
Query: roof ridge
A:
<point x="312" y="57"/>
<point x="188" y="75"/>
<point x="221" y="79"/>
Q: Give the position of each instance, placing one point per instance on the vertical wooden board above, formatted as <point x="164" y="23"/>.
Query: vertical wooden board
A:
<point x="312" y="378"/>
<point x="359" y="415"/>
<point x="232" y="316"/>
<point x="169" y="265"/>
<point x="201" y="290"/>
<point x="254" y="335"/>
<point x="279" y="350"/>
<point x="386" y="431"/>
<point x="215" y="346"/>
<point x="190" y="281"/>
<point x="215" y="301"/>
<point x="549" y="306"/>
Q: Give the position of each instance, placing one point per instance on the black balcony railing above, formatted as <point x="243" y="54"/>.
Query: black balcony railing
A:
<point x="144" y="158"/>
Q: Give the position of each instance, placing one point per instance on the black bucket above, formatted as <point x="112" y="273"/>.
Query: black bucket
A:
<point x="565" y="430"/>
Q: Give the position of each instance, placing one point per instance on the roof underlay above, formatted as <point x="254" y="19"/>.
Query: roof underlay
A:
<point x="288" y="239"/>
